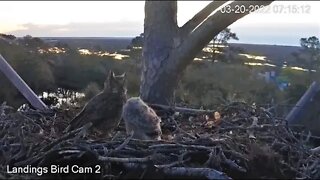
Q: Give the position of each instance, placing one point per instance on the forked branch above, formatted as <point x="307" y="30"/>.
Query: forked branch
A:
<point x="197" y="19"/>
<point x="211" y="27"/>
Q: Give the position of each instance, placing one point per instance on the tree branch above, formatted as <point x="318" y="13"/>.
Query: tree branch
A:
<point x="181" y="109"/>
<point x="126" y="160"/>
<point x="316" y="150"/>
<point x="197" y="19"/>
<point x="195" y="173"/>
<point x="205" y="173"/>
<point x="211" y="27"/>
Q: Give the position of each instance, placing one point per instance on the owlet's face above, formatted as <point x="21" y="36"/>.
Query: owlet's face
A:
<point x="115" y="84"/>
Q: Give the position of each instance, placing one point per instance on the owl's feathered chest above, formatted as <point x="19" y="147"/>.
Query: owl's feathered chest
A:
<point x="107" y="108"/>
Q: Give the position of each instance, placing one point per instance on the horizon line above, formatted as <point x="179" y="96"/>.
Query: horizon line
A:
<point x="131" y="37"/>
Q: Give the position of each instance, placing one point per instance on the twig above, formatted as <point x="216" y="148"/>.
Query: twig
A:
<point x="315" y="150"/>
<point x="197" y="173"/>
<point x="236" y="154"/>
<point x="126" y="160"/>
<point x="207" y="173"/>
<point x="115" y="136"/>
<point x="182" y="109"/>
<point x="210" y="159"/>
<point x="121" y="146"/>
<point x="292" y="169"/>
<point x="259" y="127"/>
<point x="172" y="164"/>
<point x="230" y="163"/>
<point x="180" y="145"/>
<point x="64" y="137"/>
<point x="181" y="130"/>
<point x="307" y="136"/>
<point x="125" y="142"/>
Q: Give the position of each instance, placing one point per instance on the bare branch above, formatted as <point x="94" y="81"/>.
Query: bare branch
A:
<point x="203" y="173"/>
<point x="197" y="19"/>
<point x="181" y="109"/>
<point x="126" y="160"/>
<point x="316" y="150"/>
<point x="207" y="30"/>
<point x="206" y="173"/>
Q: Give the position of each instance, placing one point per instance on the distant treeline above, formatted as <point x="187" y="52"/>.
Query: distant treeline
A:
<point x="205" y="83"/>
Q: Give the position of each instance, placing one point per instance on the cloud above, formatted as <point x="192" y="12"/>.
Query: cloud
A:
<point x="275" y="33"/>
<point x="255" y="33"/>
<point x="81" y="29"/>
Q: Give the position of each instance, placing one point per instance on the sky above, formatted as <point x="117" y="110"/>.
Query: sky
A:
<point x="125" y="19"/>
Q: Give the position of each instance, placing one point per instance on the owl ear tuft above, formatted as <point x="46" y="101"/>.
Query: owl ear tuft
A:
<point x="111" y="74"/>
<point x="124" y="75"/>
<point x="109" y="79"/>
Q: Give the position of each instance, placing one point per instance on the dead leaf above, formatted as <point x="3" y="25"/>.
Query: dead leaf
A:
<point x="251" y="135"/>
<point x="254" y="122"/>
<point x="209" y="124"/>
<point x="217" y="118"/>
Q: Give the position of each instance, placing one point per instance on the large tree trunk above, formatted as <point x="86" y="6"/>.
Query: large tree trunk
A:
<point x="159" y="32"/>
<point x="168" y="49"/>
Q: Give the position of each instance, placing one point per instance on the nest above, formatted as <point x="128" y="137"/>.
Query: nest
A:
<point x="243" y="142"/>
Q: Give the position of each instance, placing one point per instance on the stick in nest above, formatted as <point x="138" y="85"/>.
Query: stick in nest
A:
<point x="315" y="150"/>
<point x="207" y="173"/>
<point x="121" y="146"/>
<point x="230" y="163"/>
<point x="172" y="164"/>
<point x="126" y="160"/>
<point x="67" y="136"/>
<point x="126" y="141"/>
<point x="180" y="145"/>
<point x="181" y="130"/>
<point x="182" y="109"/>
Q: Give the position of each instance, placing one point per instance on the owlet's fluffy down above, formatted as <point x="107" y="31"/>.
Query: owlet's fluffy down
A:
<point x="141" y="120"/>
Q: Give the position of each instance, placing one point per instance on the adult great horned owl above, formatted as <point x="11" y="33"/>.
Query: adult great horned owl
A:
<point x="104" y="109"/>
<point x="141" y="120"/>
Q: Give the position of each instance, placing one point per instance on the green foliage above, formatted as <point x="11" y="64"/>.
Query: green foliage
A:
<point x="7" y="36"/>
<point x="217" y="45"/>
<point x="204" y="83"/>
<point x="75" y="71"/>
<point x="32" y="42"/>
<point x="71" y="70"/>
<point x="311" y="43"/>
<point x="209" y="84"/>
<point x="295" y="77"/>
<point x="137" y="41"/>
<point x="309" y="56"/>
<point x="299" y="83"/>
<point x="34" y="70"/>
